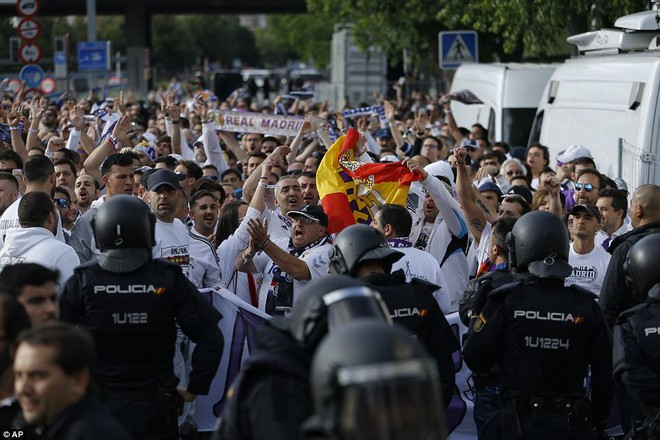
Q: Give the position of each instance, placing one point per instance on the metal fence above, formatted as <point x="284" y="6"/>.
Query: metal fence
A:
<point x="636" y="165"/>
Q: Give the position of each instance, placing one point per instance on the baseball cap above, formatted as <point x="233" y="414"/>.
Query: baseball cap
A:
<point x="383" y="133"/>
<point x="590" y="209"/>
<point x="522" y="191"/>
<point x="312" y="212"/>
<point x="490" y="186"/>
<point x="574" y="152"/>
<point x="469" y="143"/>
<point x="165" y="177"/>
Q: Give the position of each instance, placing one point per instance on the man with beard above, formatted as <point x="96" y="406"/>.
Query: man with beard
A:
<point x="205" y="271"/>
<point x="87" y="190"/>
<point x="8" y="191"/>
<point x="35" y="287"/>
<point x="172" y="240"/>
<point x="117" y="175"/>
<point x="307" y="181"/>
<point x="589" y="183"/>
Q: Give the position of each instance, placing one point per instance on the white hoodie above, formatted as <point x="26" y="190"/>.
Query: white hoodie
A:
<point x="38" y="245"/>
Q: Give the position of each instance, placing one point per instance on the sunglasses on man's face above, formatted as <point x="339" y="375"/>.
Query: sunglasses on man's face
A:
<point x="588" y="187"/>
<point x="62" y="203"/>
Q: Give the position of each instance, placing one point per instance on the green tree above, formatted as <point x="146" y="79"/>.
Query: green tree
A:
<point x="295" y="37"/>
<point x="509" y="29"/>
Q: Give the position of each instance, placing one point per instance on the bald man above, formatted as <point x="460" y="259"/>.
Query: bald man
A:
<point x="616" y="295"/>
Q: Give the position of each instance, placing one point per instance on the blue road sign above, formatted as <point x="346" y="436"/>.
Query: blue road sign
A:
<point x="93" y="56"/>
<point x="458" y="47"/>
<point x="59" y="58"/>
<point x="32" y="74"/>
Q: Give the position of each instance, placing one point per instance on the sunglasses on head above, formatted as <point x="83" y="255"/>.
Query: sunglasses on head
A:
<point x="62" y="203"/>
<point x="588" y="187"/>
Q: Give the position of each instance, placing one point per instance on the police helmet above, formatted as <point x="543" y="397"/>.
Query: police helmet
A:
<point x="641" y="267"/>
<point x="375" y="381"/>
<point x="357" y="244"/>
<point x="538" y="244"/>
<point x="124" y="230"/>
<point x="326" y="303"/>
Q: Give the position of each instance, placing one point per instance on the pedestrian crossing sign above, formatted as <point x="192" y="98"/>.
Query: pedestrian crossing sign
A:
<point x="457" y="47"/>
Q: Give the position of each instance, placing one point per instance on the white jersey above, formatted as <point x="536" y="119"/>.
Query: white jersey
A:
<point x="278" y="289"/>
<point x="589" y="269"/>
<point x="38" y="245"/>
<point x="204" y="268"/>
<point x="173" y="244"/>
<point x="9" y="220"/>
<point x="279" y="225"/>
<point x="447" y="240"/>
<point x="234" y="280"/>
<point x="417" y="263"/>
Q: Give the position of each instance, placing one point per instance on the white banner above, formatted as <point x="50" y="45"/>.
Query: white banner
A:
<point x="246" y="122"/>
<point x="239" y="322"/>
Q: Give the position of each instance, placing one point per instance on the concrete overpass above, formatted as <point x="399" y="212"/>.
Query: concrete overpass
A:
<point x="138" y="19"/>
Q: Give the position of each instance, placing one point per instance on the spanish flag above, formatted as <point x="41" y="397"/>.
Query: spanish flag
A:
<point x="350" y="189"/>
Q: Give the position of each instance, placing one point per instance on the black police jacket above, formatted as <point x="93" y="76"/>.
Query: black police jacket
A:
<point x="413" y="306"/>
<point x="545" y="337"/>
<point x="617" y="294"/>
<point x="271" y="397"/>
<point x="133" y="318"/>
<point x="637" y="354"/>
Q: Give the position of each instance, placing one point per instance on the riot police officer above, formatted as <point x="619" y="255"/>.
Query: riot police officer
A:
<point x="371" y="381"/>
<point x="545" y="337"/>
<point x="363" y="252"/>
<point x="637" y="336"/>
<point x="271" y="398"/>
<point x="131" y="304"/>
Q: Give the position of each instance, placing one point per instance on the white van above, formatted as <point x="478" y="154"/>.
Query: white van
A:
<point x="607" y="100"/>
<point x="510" y="94"/>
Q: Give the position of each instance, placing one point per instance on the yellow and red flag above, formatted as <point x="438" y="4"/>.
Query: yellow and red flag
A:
<point x="350" y="189"/>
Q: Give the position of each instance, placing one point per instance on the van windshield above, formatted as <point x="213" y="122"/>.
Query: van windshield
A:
<point x="516" y="125"/>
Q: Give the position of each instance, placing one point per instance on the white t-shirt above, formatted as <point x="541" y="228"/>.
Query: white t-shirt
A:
<point x="173" y="244"/>
<point x="316" y="259"/>
<point x="589" y="269"/>
<point x="417" y="263"/>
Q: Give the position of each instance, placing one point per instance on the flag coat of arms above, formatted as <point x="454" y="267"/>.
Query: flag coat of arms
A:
<point x="350" y="189"/>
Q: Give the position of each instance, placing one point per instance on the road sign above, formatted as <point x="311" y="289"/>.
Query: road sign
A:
<point x="14" y="86"/>
<point x="94" y="56"/>
<point x="60" y="64"/>
<point x="31" y="93"/>
<point x="47" y="85"/>
<point x="458" y="47"/>
<point x="27" y="8"/>
<point x="32" y="74"/>
<point x="29" y="53"/>
<point x="28" y="29"/>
